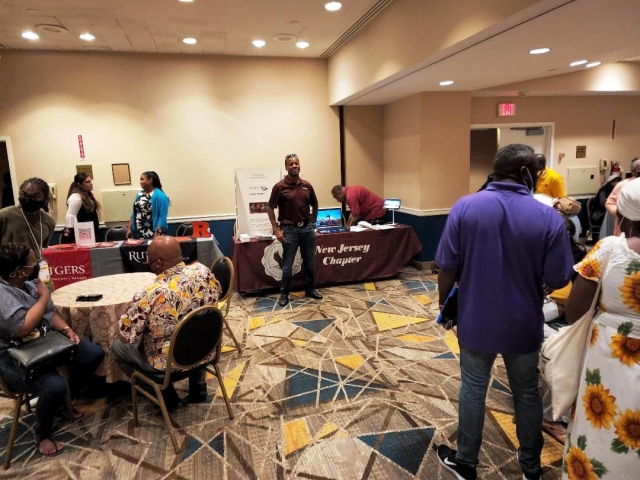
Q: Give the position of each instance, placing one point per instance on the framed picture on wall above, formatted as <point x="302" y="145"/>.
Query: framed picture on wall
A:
<point x="121" y="174"/>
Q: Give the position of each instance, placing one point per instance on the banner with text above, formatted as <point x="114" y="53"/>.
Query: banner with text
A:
<point x="134" y="257"/>
<point x="68" y="266"/>
<point x="253" y="189"/>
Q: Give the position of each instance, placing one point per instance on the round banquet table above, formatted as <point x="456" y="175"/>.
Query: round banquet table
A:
<point x="98" y="321"/>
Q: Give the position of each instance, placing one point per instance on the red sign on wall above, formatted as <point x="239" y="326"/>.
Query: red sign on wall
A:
<point x="506" y="109"/>
<point x="81" y="146"/>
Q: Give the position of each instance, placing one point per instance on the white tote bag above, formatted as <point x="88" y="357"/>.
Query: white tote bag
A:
<point x="561" y="358"/>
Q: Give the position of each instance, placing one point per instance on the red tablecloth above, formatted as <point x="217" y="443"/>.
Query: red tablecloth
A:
<point x="340" y="257"/>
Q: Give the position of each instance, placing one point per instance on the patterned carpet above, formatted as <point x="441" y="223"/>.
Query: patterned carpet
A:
<point x="360" y="385"/>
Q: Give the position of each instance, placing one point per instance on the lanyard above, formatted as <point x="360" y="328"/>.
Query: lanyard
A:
<point x="33" y="236"/>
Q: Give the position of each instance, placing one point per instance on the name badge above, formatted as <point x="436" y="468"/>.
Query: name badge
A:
<point x="44" y="274"/>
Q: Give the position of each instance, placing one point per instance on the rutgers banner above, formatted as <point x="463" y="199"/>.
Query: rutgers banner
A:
<point x="69" y="266"/>
<point x="134" y="257"/>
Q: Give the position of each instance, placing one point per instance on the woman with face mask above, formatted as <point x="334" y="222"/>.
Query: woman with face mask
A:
<point x="27" y="222"/>
<point x="26" y="306"/>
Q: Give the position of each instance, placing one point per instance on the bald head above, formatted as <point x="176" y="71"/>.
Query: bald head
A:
<point x="163" y="253"/>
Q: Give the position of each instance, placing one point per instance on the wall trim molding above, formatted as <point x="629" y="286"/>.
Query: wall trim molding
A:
<point x="196" y="218"/>
<point x="425" y="213"/>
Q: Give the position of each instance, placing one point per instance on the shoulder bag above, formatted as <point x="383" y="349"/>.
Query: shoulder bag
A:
<point x="561" y="358"/>
<point x="40" y="355"/>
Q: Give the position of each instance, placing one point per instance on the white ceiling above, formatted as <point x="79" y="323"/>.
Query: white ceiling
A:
<point x="221" y="26"/>
<point x="606" y="31"/>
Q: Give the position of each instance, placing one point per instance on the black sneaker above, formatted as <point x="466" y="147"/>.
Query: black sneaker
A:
<point x="447" y="458"/>
<point x="283" y="300"/>
<point x="529" y="476"/>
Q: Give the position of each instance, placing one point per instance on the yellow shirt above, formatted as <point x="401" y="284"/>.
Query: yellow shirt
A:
<point x="551" y="183"/>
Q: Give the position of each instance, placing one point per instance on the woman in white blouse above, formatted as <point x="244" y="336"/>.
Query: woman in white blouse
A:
<point x="82" y="206"/>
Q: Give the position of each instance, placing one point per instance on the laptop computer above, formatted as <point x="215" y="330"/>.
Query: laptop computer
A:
<point x="330" y="221"/>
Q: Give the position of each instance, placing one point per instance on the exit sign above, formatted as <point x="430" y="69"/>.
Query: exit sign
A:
<point x="506" y="109"/>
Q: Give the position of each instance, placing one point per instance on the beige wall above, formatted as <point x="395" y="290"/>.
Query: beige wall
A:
<point x="192" y="119"/>
<point x="406" y="33"/>
<point x="401" y="151"/>
<point x="363" y="128"/>
<point x="578" y="121"/>
<point x="444" y="148"/>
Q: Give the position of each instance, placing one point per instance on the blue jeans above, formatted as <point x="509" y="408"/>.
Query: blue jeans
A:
<point x="305" y="238"/>
<point x="522" y="370"/>
<point x="51" y="388"/>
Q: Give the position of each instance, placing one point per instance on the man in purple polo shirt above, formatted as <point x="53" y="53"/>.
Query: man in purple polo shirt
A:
<point x="501" y="246"/>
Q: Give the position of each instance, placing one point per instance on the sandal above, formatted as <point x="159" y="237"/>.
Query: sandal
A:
<point x="556" y="430"/>
<point x="57" y="451"/>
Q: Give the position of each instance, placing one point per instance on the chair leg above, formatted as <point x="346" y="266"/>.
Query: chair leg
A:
<point x="17" y="403"/>
<point x="167" y="420"/>
<point x="134" y="400"/>
<point x="230" y="332"/>
<point x="224" y="390"/>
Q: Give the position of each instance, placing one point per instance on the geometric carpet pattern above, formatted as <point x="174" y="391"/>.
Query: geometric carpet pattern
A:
<point x="360" y="385"/>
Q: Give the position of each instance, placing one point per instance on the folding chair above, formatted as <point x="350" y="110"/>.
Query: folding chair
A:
<point x="224" y="272"/>
<point x="593" y="229"/>
<point x="115" y="234"/>
<point x="194" y="339"/>
<point x="18" y="398"/>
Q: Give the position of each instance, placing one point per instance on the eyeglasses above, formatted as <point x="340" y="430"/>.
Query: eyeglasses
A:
<point x="291" y="155"/>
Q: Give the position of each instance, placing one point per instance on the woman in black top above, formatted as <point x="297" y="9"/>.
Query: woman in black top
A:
<point x="82" y="206"/>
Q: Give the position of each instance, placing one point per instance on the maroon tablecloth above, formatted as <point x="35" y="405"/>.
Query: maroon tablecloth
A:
<point x="340" y="257"/>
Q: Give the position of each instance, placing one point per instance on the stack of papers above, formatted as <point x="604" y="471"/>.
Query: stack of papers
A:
<point x="383" y="227"/>
<point x="355" y="228"/>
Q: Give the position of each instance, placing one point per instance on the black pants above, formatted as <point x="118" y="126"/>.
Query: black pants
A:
<point x="305" y="238"/>
<point x="51" y="388"/>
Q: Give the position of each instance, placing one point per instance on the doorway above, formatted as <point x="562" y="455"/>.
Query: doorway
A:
<point x="538" y="136"/>
<point x="6" y="175"/>
<point x="484" y="145"/>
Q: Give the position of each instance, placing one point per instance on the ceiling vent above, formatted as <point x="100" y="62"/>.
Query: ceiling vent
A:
<point x="373" y="11"/>
<point x="284" y="37"/>
<point x="51" y="29"/>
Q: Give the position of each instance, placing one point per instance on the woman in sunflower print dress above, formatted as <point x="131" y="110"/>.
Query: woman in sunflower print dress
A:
<point x="603" y="439"/>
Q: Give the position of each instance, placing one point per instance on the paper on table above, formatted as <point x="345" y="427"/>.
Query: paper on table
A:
<point x="355" y="228"/>
<point x="383" y="227"/>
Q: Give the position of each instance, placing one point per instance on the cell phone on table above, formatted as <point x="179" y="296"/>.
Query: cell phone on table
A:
<point x="89" y="298"/>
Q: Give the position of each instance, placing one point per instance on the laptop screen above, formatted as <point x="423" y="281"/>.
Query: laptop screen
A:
<point x="330" y="217"/>
<point x="392" y="203"/>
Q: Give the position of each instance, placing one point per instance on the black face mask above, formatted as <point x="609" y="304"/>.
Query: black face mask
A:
<point x="31" y="206"/>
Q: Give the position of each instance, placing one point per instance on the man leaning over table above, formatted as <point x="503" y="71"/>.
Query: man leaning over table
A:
<point x="297" y="207"/>
<point x="146" y="328"/>
<point x="363" y="203"/>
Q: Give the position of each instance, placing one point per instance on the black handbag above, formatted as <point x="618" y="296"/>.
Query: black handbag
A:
<point x="40" y="355"/>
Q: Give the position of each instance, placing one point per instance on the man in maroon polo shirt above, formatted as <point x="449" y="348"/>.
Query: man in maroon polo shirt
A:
<point x="297" y="212"/>
<point x="363" y="203"/>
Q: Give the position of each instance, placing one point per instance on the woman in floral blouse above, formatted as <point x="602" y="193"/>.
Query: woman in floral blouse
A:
<point x="603" y="439"/>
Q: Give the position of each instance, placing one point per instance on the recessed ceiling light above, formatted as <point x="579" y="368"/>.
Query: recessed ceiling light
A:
<point x="259" y="43"/>
<point x="87" y="37"/>
<point x="333" y="6"/>
<point x="302" y="44"/>
<point x="185" y="1"/>
<point x="446" y="83"/>
<point x="189" y="40"/>
<point x="593" y="64"/>
<point x="579" y="62"/>
<point x="29" y="35"/>
<point x="538" y="51"/>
